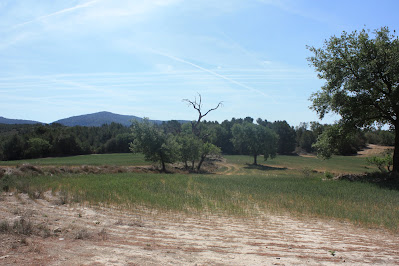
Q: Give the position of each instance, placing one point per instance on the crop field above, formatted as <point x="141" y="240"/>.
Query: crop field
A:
<point x="287" y="184"/>
<point x="118" y="159"/>
<point x="289" y="210"/>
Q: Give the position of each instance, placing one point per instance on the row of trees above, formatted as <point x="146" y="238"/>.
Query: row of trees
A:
<point x="35" y="141"/>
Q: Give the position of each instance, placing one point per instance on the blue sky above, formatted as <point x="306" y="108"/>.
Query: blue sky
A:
<point x="62" y="58"/>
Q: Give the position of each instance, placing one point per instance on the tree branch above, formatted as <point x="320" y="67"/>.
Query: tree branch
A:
<point x="197" y="106"/>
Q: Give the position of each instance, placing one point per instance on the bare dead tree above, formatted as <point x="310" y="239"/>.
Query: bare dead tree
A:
<point x="197" y="105"/>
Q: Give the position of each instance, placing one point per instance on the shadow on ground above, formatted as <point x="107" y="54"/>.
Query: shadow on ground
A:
<point x="383" y="180"/>
<point x="263" y="167"/>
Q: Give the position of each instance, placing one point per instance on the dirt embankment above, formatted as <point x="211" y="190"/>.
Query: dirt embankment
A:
<point x="80" y="235"/>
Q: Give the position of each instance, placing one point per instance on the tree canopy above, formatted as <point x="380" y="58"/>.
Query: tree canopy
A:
<point x="255" y="140"/>
<point x="361" y="70"/>
<point x="156" y="145"/>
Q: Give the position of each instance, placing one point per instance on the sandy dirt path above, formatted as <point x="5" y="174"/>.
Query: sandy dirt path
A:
<point x="104" y="236"/>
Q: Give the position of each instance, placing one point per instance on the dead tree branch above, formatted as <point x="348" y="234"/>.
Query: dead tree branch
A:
<point x="197" y="105"/>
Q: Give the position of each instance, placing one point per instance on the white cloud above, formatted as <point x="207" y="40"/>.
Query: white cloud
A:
<point x="60" y="12"/>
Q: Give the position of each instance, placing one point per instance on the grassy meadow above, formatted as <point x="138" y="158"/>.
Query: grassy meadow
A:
<point x="115" y="159"/>
<point x="287" y="184"/>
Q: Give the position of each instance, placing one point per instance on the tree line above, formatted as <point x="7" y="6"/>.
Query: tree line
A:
<point x="35" y="141"/>
<point x="235" y="136"/>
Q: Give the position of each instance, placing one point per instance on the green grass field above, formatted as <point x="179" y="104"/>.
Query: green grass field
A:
<point x="277" y="186"/>
<point x="337" y="164"/>
<point x="118" y="159"/>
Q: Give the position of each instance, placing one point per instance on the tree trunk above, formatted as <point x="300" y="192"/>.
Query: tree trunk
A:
<point x="255" y="159"/>
<point x="200" y="162"/>
<point x="162" y="162"/>
<point x="396" y="150"/>
<point x="163" y="166"/>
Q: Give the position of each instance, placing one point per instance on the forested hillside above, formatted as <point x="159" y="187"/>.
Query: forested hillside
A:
<point x="98" y="119"/>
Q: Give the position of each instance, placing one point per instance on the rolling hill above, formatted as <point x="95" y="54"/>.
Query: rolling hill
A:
<point x="4" y="120"/>
<point x="88" y="120"/>
<point x="99" y="119"/>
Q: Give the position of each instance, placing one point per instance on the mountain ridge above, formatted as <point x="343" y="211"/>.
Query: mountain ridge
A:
<point x="90" y="120"/>
<point x="4" y="120"/>
<point x="98" y="119"/>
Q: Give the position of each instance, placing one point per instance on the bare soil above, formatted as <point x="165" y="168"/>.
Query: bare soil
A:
<point x="370" y="150"/>
<point x="84" y="235"/>
<point x="373" y="150"/>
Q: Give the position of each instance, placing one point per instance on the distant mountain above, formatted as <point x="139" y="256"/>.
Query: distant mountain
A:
<point x="89" y="120"/>
<point x="4" y="120"/>
<point x="99" y="119"/>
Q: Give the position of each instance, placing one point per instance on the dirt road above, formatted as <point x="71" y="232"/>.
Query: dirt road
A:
<point x="103" y="236"/>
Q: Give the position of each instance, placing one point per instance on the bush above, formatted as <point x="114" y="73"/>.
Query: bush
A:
<point x="4" y="227"/>
<point x="23" y="227"/>
<point x="328" y="175"/>
<point x="384" y="163"/>
<point x="307" y="171"/>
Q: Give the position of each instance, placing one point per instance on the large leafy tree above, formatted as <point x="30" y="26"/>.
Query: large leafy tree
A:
<point x="190" y="147"/>
<point x="254" y="140"/>
<point x="361" y="70"/>
<point x="156" y="145"/>
<point x="286" y="137"/>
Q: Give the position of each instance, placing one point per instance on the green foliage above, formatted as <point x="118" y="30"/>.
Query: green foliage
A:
<point x="190" y="148"/>
<point x="335" y="139"/>
<point x="286" y="137"/>
<point x="383" y="163"/>
<point x="362" y="79"/>
<point x="173" y="127"/>
<point x="156" y="145"/>
<point x="117" y="144"/>
<point x="206" y="149"/>
<point x="328" y="175"/>
<point x="34" y="141"/>
<point x="305" y="138"/>
<point x="14" y="148"/>
<point x="37" y="148"/>
<point x="380" y="137"/>
<point x="254" y="140"/>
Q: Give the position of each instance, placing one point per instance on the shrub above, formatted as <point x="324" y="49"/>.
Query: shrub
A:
<point x="383" y="163"/>
<point x="328" y="175"/>
<point x="307" y="171"/>
<point x="4" y="227"/>
<point x="23" y="226"/>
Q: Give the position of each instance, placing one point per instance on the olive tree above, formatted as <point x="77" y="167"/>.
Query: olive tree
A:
<point x="254" y="140"/>
<point x="154" y="143"/>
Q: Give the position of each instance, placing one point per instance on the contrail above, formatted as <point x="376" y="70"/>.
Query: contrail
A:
<point x="66" y="10"/>
<point x="210" y="72"/>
